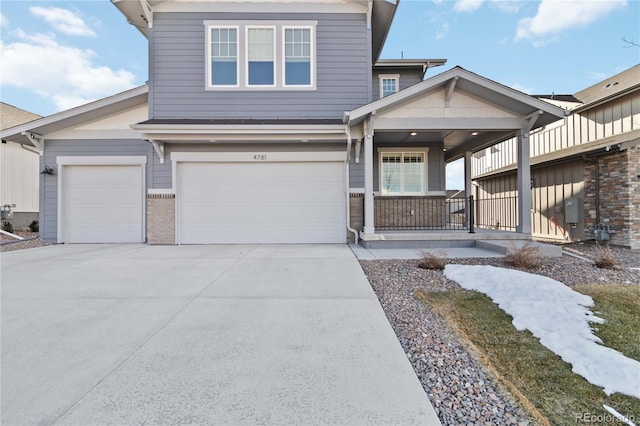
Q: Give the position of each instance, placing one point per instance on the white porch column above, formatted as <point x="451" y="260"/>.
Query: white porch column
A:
<point x="369" y="224"/>
<point x="524" y="184"/>
<point x="468" y="189"/>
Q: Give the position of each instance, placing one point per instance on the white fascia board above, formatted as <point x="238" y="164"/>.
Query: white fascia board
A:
<point x="39" y="126"/>
<point x="272" y="6"/>
<point x="238" y="129"/>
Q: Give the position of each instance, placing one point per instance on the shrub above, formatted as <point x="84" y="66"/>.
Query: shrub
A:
<point x="429" y="260"/>
<point x="604" y="258"/>
<point x="7" y="226"/>
<point x="524" y="257"/>
<point x="34" y="226"/>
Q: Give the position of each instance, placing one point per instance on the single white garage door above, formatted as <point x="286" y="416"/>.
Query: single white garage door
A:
<point x="280" y="202"/>
<point x="103" y="204"/>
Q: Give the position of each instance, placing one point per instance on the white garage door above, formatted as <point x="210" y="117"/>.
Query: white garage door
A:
<point x="103" y="204"/>
<point x="283" y="202"/>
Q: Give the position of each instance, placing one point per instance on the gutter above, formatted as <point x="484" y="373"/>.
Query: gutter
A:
<point x="347" y="130"/>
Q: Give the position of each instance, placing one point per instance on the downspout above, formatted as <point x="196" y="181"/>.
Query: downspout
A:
<point x="347" y="130"/>
<point x="597" y="184"/>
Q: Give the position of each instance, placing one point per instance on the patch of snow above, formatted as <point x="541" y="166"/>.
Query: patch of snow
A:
<point x="559" y="317"/>
<point x="619" y="416"/>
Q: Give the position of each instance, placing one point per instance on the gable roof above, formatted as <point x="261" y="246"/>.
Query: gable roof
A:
<point x="618" y="85"/>
<point x="483" y="88"/>
<point x="80" y="114"/>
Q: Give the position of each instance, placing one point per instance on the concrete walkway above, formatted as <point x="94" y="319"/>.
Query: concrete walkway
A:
<point x="244" y="334"/>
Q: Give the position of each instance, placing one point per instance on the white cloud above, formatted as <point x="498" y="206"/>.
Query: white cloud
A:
<point x="3" y="20"/>
<point x="66" y="75"/>
<point x="523" y="89"/>
<point x="443" y="31"/>
<point x="63" y="20"/>
<point x="555" y="16"/>
<point x="467" y="5"/>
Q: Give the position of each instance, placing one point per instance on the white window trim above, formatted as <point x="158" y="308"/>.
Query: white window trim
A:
<point x="242" y="57"/>
<point x="382" y="77"/>
<point x="403" y="151"/>
<point x="246" y="56"/>
<point x="312" y="58"/>
<point x="209" y="72"/>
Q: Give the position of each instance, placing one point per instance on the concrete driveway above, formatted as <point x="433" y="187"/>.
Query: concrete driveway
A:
<point x="243" y="334"/>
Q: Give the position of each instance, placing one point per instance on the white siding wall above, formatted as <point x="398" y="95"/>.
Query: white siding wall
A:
<point x="19" y="173"/>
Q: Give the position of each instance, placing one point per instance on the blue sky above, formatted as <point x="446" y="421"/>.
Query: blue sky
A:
<point x="58" y="54"/>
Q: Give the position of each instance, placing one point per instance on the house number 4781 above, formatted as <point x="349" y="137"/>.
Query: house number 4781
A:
<point x="260" y="157"/>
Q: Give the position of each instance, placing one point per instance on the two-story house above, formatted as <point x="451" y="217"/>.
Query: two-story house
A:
<point x="270" y="121"/>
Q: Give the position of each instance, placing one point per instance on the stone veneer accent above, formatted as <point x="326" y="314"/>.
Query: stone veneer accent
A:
<point x="356" y="214"/>
<point x="161" y="214"/>
<point x="619" y="196"/>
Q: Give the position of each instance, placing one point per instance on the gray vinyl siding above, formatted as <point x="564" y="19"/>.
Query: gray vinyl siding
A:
<point x="178" y="70"/>
<point x="49" y="183"/>
<point x="407" y="78"/>
<point x="435" y="166"/>
<point x="162" y="176"/>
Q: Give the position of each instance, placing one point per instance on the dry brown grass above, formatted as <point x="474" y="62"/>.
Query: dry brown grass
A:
<point x="605" y="258"/>
<point x="432" y="260"/>
<point x="523" y="257"/>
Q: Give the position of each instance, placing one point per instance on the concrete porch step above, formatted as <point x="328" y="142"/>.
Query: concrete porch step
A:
<point x="502" y="246"/>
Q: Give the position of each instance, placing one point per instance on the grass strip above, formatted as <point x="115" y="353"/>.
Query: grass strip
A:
<point x="538" y="378"/>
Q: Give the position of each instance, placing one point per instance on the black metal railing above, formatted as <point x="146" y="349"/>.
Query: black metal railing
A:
<point x="496" y="213"/>
<point x="441" y="213"/>
<point x="419" y="213"/>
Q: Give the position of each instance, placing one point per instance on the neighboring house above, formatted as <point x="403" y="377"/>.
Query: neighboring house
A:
<point x="19" y="171"/>
<point x="271" y="122"/>
<point x="585" y="168"/>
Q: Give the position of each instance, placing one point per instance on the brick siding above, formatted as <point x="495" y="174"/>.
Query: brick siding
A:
<point x="161" y="218"/>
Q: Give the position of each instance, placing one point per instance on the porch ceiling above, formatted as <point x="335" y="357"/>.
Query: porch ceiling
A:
<point x="464" y="111"/>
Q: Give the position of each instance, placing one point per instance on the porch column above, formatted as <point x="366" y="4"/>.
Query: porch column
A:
<point x="524" y="184"/>
<point x="369" y="224"/>
<point x="467" y="187"/>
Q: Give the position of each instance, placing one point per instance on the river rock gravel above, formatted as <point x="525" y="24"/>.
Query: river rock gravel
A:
<point x="458" y="387"/>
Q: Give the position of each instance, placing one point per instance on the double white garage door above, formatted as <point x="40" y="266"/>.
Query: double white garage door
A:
<point x="216" y="202"/>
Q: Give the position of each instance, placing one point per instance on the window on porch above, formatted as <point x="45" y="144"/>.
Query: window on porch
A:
<point x="403" y="173"/>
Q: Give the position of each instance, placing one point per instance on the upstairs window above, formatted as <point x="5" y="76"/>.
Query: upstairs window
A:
<point x="389" y="84"/>
<point x="403" y="173"/>
<point x="260" y="56"/>
<point x="297" y="56"/>
<point x="224" y="56"/>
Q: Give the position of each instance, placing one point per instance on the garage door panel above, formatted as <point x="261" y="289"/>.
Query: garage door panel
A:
<point x="261" y="202"/>
<point x="103" y="204"/>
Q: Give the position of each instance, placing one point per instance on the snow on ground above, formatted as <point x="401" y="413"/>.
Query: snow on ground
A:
<point x="559" y="317"/>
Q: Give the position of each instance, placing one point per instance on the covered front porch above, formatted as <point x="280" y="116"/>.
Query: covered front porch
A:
<point x="402" y="143"/>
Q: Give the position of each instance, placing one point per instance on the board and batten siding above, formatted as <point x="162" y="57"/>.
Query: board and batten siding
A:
<point x="552" y="186"/>
<point x="613" y="118"/>
<point x="79" y="147"/>
<point x="178" y="70"/>
<point x="407" y="78"/>
<point x="19" y="170"/>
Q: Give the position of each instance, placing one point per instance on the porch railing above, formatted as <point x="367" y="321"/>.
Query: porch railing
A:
<point x="497" y="213"/>
<point x="442" y="213"/>
<point x="419" y="213"/>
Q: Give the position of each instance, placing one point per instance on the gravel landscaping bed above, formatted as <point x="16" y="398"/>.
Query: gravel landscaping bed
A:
<point x="31" y="240"/>
<point x="459" y="389"/>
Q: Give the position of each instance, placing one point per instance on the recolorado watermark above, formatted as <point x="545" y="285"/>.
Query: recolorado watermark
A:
<point x="602" y="418"/>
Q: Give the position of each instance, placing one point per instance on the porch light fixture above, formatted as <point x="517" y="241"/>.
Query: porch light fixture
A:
<point x="474" y="133"/>
<point x="413" y="133"/>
